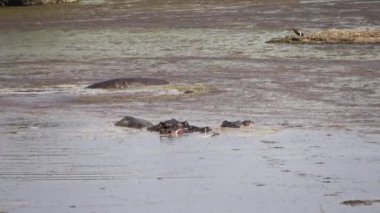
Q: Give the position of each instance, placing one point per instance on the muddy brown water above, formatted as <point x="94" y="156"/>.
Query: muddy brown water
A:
<point x="318" y="105"/>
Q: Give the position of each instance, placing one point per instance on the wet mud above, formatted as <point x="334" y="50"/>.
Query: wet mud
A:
<point x="314" y="144"/>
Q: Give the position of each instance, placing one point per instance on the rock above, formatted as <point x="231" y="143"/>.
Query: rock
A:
<point x="122" y="83"/>
<point x="333" y="36"/>
<point x="133" y="122"/>
<point x="236" y="124"/>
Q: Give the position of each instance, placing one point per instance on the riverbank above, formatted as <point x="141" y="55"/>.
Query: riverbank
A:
<point x="333" y="36"/>
<point x="5" y="3"/>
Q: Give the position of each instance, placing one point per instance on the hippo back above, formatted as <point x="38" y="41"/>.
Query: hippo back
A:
<point x="132" y="122"/>
<point x="121" y="83"/>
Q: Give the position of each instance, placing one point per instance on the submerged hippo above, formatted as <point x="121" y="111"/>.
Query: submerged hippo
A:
<point x="170" y="127"/>
<point x="121" y="83"/>
<point x="173" y="127"/>
<point x="236" y="124"/>
<point x="132" y="122"/>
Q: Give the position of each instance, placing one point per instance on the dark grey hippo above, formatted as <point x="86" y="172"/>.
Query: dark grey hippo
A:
<point x="173" y="127"/>
<point x="170" y="127"/>
<point x="236" y="124"/>
<point x="133" y="122"/>
<point x="121" y="83"/>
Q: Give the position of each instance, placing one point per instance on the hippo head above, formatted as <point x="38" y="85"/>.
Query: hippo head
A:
<point x="247" y="122"/>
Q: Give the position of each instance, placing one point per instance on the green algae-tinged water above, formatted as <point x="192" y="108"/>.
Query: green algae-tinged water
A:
<point x="314" y="144"/>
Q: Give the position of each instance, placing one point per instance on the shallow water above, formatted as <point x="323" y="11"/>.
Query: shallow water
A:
<point x="316" y="108"/>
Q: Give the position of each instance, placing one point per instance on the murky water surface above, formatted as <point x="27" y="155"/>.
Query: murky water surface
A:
<point x="316" y="108"/>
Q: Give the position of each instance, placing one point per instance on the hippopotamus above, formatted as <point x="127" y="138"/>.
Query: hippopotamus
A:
<point x="132" y="122"/>
<point x="236" y="124"/>
<point x="174" y="127"/>
<point x="122" y="83"/>
<point x="170" y="127"/>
